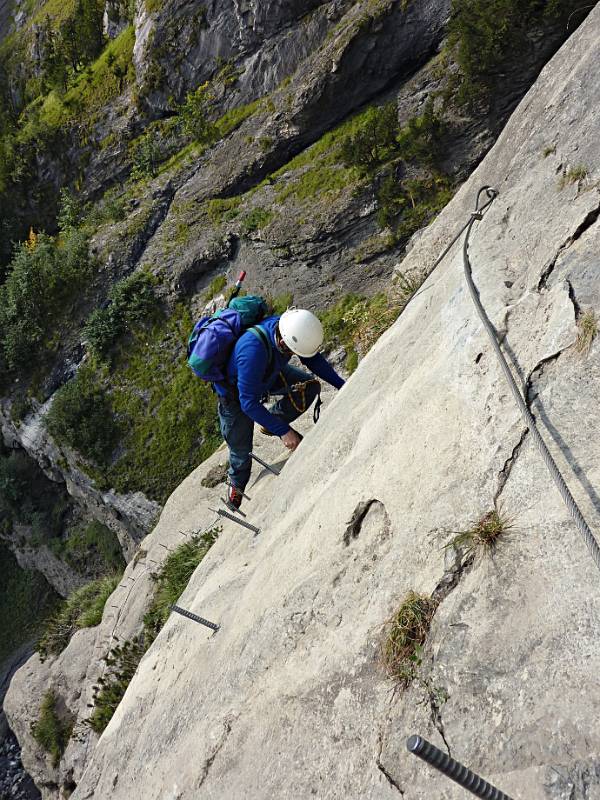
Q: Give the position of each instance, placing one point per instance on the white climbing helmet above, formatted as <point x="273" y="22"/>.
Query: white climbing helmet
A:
<point x="301" y="331"/>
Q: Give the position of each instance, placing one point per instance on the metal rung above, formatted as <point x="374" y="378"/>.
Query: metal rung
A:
<point x="185" y="613"/>
<point x="453" y="769"/>
<point x="239" y="521"/>
<point x="264" y="464"/>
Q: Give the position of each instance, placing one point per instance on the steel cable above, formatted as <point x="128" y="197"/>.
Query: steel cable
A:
<point x="566" y="495"/>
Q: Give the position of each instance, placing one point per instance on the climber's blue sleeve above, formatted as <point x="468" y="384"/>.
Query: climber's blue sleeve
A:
<point x="321" y="367"/>
<point x="251" y="360"/>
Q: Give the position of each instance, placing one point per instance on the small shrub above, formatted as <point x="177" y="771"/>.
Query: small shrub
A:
<point x="44" y="277"/>
<point x="50" y="731"/>
<point x="279" y="303"/>
<point x="82" y="609"/>
<point x="145" y="156"/>
<point x="131" y="301"/>
<point x="194" y="117"/>
<point x="404" y="635"/>
<point x="81" y="416"/>
<point x="587" y="331"/>
<point x="482" y="538"/>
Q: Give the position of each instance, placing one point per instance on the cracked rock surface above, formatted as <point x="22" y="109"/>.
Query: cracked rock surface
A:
<point x="288" y="700"/>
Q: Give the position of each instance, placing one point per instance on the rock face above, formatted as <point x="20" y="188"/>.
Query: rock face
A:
<point x="288" y="699"/>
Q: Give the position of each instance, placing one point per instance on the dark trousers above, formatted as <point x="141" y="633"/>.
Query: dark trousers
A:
<point x="238" y="429"/>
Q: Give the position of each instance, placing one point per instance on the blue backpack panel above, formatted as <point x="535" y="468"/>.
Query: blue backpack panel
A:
<point x="212" y="340"/>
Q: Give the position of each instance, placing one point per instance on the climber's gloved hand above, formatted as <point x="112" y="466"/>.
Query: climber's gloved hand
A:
<point x="291" y="439"/>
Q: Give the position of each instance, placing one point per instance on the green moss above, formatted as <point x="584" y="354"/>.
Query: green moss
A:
<point x="82" y="609"/>
<point x="50" y="731"/>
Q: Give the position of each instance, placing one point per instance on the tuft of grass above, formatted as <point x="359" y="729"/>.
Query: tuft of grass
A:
<point x="574" y="175"/>
<point x="123" y="660"/>
<point x="550" y="150"/>
<point x="587" y="331"/>
<point x="215" y="287"/>
<point x="82" y="609"/>
<point x="482" y="537"/>
<point x="404" y="635"/>
<point x="50" y="731"/>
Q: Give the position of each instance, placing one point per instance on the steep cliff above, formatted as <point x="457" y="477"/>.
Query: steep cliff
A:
<point x="288" y="698"/>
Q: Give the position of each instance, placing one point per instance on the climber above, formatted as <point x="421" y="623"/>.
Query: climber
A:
<point x="257" y="369"/>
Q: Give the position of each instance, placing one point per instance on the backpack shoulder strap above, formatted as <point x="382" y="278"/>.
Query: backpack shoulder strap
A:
<point x="261" y="334"/>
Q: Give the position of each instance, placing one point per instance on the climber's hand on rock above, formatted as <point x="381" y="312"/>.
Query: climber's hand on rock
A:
<point x="291" y="439"/>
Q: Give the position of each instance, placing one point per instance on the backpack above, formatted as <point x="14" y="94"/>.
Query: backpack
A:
<point x="213" y="338"/>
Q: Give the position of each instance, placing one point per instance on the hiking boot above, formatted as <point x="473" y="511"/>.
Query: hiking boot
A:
<point x="234" y="497"/>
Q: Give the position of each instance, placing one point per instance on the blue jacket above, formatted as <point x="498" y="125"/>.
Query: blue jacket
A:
<point x="247" y="366"/>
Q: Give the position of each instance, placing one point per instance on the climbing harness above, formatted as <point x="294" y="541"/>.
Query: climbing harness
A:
<point x="566" y="495"/>
<point x="300" y="388"/>
<point x="453" y="769"/>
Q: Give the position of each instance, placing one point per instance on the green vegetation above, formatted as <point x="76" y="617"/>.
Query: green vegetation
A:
<point x="168" y="415"/>
<point x="25" y="600"/>
<point x="215" y="287"/>
<point x="44" y="279"/>
<point x="174" y="577"/>
<point x="145" y="156"/>
<point x="549" y="150"/>
<point x="356" y="322"/>
<point x="587" y="326"/>
<point x="81" y="416"/>
<point x="576" y="175"/>
<point x="93" y="549"/>
<point x="82" y="609"/>
<point x="50" y="731"/>
<point x="194" y="116"/>
<point x="225" y="210"/>
<point x="123" y="660"/>
<point x="404" y="636"/>
<point x="487" y="35"/>
<point x="258" y="218"/>
<point x="483" y="536"/>
<point x="279" y="303"/>
<point x="131" y="301"/>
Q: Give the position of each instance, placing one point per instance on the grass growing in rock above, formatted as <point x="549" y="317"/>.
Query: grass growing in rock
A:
<point x="587" y="330"/>
<point x="50" y="731"/>
<point x="482" y="538"/>
<point x="82" y="609"/>
<point x="144" y="421"/>
<point x="357" y="322"/>
<point x="404" y="636"/>
<point x="123" y="660"/>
